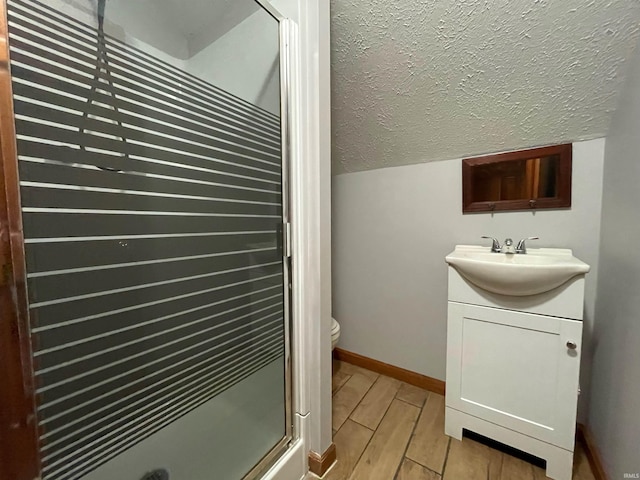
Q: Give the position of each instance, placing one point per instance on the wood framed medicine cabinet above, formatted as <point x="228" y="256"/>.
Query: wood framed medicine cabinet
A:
<point x="537" y="178"/>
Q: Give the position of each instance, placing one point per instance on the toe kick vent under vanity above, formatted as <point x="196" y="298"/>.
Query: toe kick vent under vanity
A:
<point x="513" y="360"/>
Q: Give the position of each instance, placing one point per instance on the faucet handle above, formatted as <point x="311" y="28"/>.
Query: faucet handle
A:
<point x="495" y="247"/>
<point x="522" y="248"/>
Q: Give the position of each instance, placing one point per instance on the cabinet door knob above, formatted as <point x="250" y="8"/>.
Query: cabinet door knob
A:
<point x="571" y="345"/>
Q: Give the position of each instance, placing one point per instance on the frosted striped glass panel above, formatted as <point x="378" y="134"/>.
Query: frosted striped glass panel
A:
<point x="152" y="208"/>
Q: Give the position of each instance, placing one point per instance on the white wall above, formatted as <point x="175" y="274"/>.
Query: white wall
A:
<point x="391" y="231"/>
<point x="139" y="24"/>
<point x="244" y="62"/>
<point x="614" y="416"/>
<point x="142" y="24"/>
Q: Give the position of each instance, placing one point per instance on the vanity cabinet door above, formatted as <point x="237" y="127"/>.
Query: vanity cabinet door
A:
<point x="518" y="370"/>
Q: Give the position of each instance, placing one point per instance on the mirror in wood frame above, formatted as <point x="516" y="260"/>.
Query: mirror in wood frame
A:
<point x="523" y="180"/>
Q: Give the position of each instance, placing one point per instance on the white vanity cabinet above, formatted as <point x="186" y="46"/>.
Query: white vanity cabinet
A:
<point x="512" y="368"/>
<point x="515" y="370"/>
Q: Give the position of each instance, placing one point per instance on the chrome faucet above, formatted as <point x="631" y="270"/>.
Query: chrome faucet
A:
<point x="522" y="248"/>
<point x="507" y="247"/>
<point x="495" y="246"/>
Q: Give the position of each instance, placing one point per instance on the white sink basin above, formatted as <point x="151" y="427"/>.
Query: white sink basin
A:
<point x="537" y="271"/>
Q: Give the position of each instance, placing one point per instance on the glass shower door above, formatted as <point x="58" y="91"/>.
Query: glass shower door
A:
<point x="151" y="178"/>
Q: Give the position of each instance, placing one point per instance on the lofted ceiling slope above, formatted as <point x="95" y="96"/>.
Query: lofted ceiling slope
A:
<point x="422" y="80"/>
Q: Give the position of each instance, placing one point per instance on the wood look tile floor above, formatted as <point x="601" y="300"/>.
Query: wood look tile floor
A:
<point x="385" y="429"/>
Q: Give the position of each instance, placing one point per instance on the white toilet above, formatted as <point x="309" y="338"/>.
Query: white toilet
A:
<point x="335" y="333"/>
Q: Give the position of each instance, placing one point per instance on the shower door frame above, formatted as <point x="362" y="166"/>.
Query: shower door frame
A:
<point x="19" y="452"/>
<point x="19" y="435"/>
<point x="286" y="34"/>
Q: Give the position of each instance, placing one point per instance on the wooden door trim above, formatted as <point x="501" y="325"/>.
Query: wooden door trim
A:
<point x="19" y="454"/>
<point x="423" y="381"/>
<point x="319" y="464"/>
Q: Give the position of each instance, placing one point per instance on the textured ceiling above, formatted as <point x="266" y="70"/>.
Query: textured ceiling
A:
<point x="421" y="80"/>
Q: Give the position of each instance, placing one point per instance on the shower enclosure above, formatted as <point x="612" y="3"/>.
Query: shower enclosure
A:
<point x="145" y="149"/>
